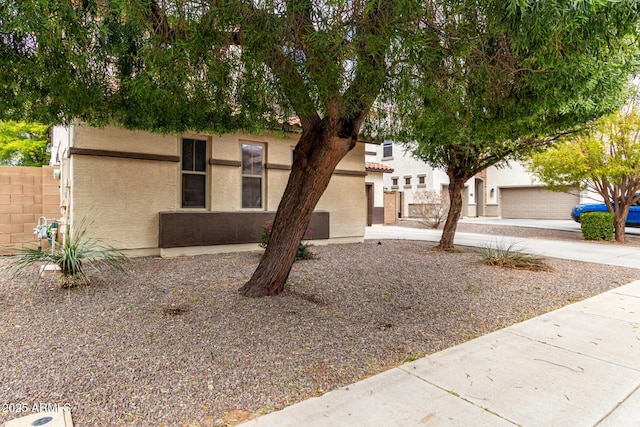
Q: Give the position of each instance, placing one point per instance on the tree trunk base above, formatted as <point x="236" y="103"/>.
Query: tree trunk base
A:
<point x="253" y="290"/>
<point x="440" y="248"/>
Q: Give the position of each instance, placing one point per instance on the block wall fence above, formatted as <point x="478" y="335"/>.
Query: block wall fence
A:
<point x="26" y="193"/>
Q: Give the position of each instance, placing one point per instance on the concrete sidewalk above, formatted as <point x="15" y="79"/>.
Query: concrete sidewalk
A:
<point x="576" y="366"/>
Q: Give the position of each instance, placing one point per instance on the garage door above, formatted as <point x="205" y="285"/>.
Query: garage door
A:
<point x="536" y="202"/>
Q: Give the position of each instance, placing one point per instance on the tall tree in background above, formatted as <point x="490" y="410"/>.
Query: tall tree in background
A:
<point x="221" y="65"/>
<point x="499" y="82"/>
<point x="23" y="144"/>
<point x="605" y="159"/>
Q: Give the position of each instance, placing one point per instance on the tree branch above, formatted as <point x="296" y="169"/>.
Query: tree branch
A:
<point x="372" y="45"/>
<point x="271" y="53"/>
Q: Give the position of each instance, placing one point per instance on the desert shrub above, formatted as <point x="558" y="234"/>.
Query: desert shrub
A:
<point x="304" y="249"/>
<point x="597" y="225"/>
<point x="431" y="207"/>
<point x="507" y="256"/>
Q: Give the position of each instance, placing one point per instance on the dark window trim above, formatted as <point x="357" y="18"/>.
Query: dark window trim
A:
<point x="277" y="166"/>
<point x="222" y="162"/>
<point x="204" y="173"/>
<point x="349" y="173"/>
<point x="387" y="145"/>
<point x="123" y="154"/>
<point x="262" y="177"/>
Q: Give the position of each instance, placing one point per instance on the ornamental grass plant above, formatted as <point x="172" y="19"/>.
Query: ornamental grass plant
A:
<point x="77" y="255"/>
<point x="507" y="256"/>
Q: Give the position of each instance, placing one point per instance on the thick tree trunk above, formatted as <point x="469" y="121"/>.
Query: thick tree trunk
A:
<point x="315" y="158"/>
<point x="619" y="221"/>
<point x="456" y="185"/>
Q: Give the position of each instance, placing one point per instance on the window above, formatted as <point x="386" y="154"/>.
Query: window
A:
<point x="194" y="173"/>
<point x="421" y="179"/>
<point x="252" y="160"/>
<point x="407" y="180"/>
<point x="394" y="181"/>
<point x="387" y="149"/>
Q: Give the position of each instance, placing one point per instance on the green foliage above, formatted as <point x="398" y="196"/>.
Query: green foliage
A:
<point x="507" y="256"/>
<point x="606" y="154"/>
<point x="23" y="144"/>
<point x="304" y="249"/>
<point x="173" y="66"/>
<point x="597" y="225"/>
<point x="493" y="81"/>
<point x="605" y="159"/>
<point x="74" y="257"/>
<point x="506" y="77"/>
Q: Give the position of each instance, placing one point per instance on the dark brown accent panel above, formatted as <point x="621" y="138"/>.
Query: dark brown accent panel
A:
<point x="277" y="166"/>
<point x="194" y="228"/>
<point x="222" y="162"/>
<point x="351" y="173"/>
<point x="123" y="154"/>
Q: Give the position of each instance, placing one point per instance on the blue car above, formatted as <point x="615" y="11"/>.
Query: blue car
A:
<point x="633" y="219"/>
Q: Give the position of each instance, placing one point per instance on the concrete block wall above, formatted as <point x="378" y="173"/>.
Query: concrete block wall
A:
<point x="26" y="193"/>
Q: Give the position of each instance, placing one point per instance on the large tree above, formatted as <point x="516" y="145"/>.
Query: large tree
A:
<point x="492" y="89"/>
<point x="217" y="65"/>
<point x="23" y="144"/>
<point x="604" y="159"/>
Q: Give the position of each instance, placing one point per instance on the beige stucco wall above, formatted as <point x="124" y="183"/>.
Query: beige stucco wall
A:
<point x="118" y="139"/>
<point x="122" y="197"/>
<point x="345" y="200"/>
<point x="345" y="197"/>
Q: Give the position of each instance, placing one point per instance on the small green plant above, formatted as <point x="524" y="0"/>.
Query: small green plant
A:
<point x="510" y="257"/>
<point x="597" y="225"/>
<point x="304" y="249"/>
<point x="471" y="289"/>
<point x="73" y="257"/>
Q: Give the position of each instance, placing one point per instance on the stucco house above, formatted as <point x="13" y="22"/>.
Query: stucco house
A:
<point x="170" y="195"/>
<point x="507" y="192"/>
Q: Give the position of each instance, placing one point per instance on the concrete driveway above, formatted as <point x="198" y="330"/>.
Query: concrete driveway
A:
<point x="607" y="253"/>
<point x="552" y="224"/>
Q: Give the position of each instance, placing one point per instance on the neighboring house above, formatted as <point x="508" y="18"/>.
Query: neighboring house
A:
<point x="507" y="192"/>
<point x="151" y="194"/>
<point x="375" y="186"/>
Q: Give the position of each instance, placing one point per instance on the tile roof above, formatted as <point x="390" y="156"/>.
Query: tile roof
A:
<point x="377" y="167"/>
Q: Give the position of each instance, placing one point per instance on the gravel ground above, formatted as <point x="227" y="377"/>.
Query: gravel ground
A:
<point x="172" y="343"/>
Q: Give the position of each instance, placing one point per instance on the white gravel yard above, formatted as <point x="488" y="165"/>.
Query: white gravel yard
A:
<point x="172" y="342"/>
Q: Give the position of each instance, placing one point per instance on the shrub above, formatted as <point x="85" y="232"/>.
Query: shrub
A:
<point x="597" y="225"/>
<point x="77" y="254"/>
<point x="303" y="252"/>
<point x="510" y="257"/>
<point x="431" y="207"/>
